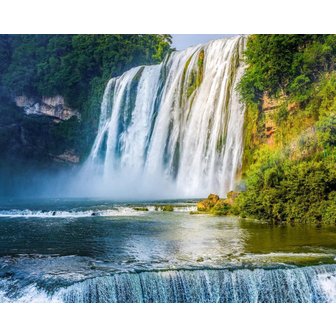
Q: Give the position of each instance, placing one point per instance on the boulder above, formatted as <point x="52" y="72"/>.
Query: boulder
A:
<point x="167" y="207"/>
<point x="204" y="205"/>
<point x="213" y="198"/>
<point x="207" y="204"/>
<point x="216" y="206"/>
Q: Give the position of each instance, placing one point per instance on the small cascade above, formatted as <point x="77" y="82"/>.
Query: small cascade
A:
<point x="173" y="129"/>
<point x="307" y="284"/>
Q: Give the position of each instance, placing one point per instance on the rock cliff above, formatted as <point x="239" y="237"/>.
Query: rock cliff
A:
<point x="49" y="106"/>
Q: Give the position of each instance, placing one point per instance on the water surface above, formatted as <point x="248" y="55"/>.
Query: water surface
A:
<point x="49" y="246"/>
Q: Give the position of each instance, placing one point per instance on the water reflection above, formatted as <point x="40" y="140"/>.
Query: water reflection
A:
<point x="156" y="240"/>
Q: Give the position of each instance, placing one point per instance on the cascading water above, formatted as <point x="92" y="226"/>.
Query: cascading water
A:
<point x="307" y="284"/>
<point x="297" y="285"/>
<point x="173" y="129"/>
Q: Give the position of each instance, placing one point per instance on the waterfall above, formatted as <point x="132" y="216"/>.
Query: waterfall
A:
<point x="173" y="129"/>
<point x="306" y="284"/>
<point x="309" y="284"/>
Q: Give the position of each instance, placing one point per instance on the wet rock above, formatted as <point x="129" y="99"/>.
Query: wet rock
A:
<point x="50" y="106"/>
<point x="213" y="198"/>
<point x="216" y="206"/>
<point x="140" y="209"/>
<point x="207" y="204"/>
<point x="167" y="207"/>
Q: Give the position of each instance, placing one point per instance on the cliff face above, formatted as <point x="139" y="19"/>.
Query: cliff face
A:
<point x="276" y="124"/>
<point x="269" y="109"/>
<point x="49" y="106"/>
<point x="37" y="132"/>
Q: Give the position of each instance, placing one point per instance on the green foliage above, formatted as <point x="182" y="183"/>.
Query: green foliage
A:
<point x="76" y="67"/>
<point x="194" y="79"/>
<point x="65" y="133"/>
<point x="291" y="176"/>
<point x="281" y="115"/>
<point x="164" y="207"/>
<point x="253" y="133"/>
<point x="286" y="65"/>
<point x="326" y="130"/>
<point x="281" y="189"/>
<point x="221" y="208"/>
<point x="46" y="65"/>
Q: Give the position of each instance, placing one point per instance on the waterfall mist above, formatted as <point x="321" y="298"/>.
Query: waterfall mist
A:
<point x="172" y="130"/>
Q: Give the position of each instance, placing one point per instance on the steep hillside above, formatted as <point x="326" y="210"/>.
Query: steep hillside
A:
<point x="51" y="87"/>
<point x="289" y="170"/>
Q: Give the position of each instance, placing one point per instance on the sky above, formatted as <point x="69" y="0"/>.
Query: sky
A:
<point x="183" y="41"/>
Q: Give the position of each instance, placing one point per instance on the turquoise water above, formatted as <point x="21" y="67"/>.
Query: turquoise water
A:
<point x="103" y="251"/>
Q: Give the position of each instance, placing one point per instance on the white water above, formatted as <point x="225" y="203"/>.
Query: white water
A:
<point x="118" y="211"/>
<point x="27" y="213"/>
<point x="173" y="129"/>
<point x="306" y="284"/>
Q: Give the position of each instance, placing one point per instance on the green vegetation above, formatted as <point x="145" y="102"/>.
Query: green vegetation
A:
<point x="213" y="205"/>
<point x="289" y="165"/>
<point x="164" y="207"/>
<point x="294" y="191"/>
<point x="194" y="80"/>
<point x="47" y="65"/>
<point x="286" y="65"/>
<point x="167" y="207"/>
<point x="74" y="66"/>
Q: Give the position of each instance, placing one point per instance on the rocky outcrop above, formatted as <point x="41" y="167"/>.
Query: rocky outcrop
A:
<point x="165" y="207"/>
<point x="34" y="140"/>
<point x="216" y="206"/>
<point x="269" y="104"/>
<point x="49" y="106"/>
<point x="207" y="204"/>
<point x="68" y="157"/>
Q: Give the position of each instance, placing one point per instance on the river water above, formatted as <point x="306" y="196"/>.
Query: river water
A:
<point x="102" y="251"/>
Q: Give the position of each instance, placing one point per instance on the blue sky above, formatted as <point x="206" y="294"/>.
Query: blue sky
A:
<point x="182" y="41"/>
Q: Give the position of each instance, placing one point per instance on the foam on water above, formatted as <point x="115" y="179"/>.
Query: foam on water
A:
<point x="258" y="285"/>
<point x="306" y="284"/>
<point x="120" y="211"/>
<point x="328" y="284"/>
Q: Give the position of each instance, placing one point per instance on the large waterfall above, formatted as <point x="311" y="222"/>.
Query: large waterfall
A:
<point x="173" y="129"/>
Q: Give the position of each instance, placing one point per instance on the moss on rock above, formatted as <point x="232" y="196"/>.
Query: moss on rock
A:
<point x="216" y="206"/>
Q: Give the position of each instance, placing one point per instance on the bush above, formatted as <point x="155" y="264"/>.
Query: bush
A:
<point x="326" y="130"/>
<point x="292" y="191"/>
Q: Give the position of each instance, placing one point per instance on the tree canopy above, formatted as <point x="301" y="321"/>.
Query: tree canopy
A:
<point x="286" y="64"/>
<point x="47" y="65"/>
